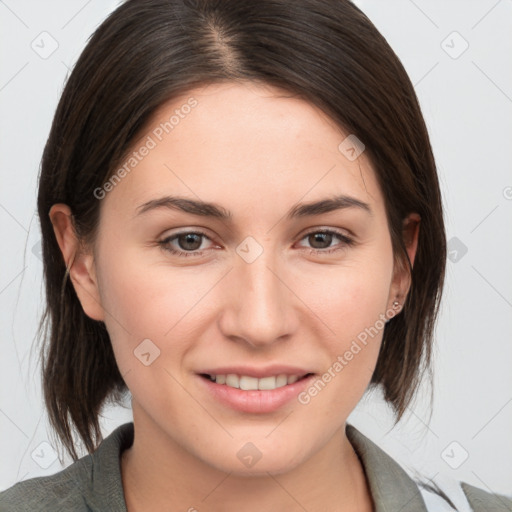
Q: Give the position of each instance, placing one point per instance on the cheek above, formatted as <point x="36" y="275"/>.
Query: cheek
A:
<point x="156" y="303"/>
<point x="354" y="316"/>
<point x="145" y="300"/>
<point x="351" y="302"/>
<point x="348" y="299"/>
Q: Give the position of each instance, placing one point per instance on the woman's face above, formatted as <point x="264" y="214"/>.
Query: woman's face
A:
<point x="248" y="294"/>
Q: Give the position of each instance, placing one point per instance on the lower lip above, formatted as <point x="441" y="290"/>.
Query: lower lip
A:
<point x="255" y="401"/>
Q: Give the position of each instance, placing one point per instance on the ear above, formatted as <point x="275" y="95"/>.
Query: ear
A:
<point x="401" y="275"/>
<point x="80" y="262"/>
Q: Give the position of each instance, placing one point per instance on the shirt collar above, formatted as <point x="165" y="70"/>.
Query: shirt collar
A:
<point x="392" y="489"/>
<point x="106" y="485"/>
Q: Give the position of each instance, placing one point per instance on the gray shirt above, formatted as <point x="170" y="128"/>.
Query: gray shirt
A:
<point x="93" y="484"/>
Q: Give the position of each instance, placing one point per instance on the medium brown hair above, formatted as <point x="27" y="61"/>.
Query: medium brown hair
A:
<point x="326" y="52"/>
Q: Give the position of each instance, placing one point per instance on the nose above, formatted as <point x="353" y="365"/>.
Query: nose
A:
<point x="260" y="309"/>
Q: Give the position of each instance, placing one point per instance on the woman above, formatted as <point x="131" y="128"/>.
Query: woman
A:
<point x="242" y="226"/>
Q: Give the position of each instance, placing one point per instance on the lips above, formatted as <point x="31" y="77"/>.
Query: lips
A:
<point x="253" y="389"/>
<point x="255" y="401"/>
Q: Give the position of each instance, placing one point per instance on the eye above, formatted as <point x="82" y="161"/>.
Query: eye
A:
<point x="189" y="241"/>
<point x="321" y="240"/>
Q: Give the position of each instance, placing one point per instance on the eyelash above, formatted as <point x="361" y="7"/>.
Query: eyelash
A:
<point x="347" y="242"/>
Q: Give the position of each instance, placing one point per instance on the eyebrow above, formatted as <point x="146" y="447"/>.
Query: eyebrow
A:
<point x="205" y="209"/>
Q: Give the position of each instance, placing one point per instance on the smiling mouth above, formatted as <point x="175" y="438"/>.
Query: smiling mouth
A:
<point x="245" y="382"/>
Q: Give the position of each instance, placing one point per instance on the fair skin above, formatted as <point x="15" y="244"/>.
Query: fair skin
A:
<point x="256" y="155"/>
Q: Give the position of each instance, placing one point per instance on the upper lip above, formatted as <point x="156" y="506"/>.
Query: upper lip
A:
<point x="252" y="371"/>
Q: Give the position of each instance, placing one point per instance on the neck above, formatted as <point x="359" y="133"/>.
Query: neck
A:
<point x="159" y="474"/>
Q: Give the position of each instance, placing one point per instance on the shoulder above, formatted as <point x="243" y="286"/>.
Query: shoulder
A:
<point x="446" y="494"/>
<point x="62" y="491"/>
<point x="394" y="487"/>
<point x="485" y="501"/>
<point x="92" y="483"/>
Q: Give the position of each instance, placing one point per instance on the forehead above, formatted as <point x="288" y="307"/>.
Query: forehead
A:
<point x="242" y="146"/>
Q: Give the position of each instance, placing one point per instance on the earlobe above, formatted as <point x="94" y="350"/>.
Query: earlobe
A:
<point x="79" y="262"/>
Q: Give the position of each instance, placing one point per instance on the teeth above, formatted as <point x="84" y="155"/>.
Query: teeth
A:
<point x="267" y="383"/>
<point x="245" y="382"/>
<point x="281" y="380"/>
<point x="248" y="382"/>
<point x="232" y="380"/>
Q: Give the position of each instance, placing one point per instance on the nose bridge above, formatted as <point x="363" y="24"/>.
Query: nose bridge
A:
<point x="261" y="308"/>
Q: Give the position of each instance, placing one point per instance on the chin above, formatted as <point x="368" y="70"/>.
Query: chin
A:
<point x="250" y="461"/>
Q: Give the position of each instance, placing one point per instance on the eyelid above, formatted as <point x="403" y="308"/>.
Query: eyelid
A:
<point x="169" y="233"/>
<point x="323" y="229"/>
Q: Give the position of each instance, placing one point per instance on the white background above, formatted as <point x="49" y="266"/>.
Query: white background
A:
<point x="467" y="103"/>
